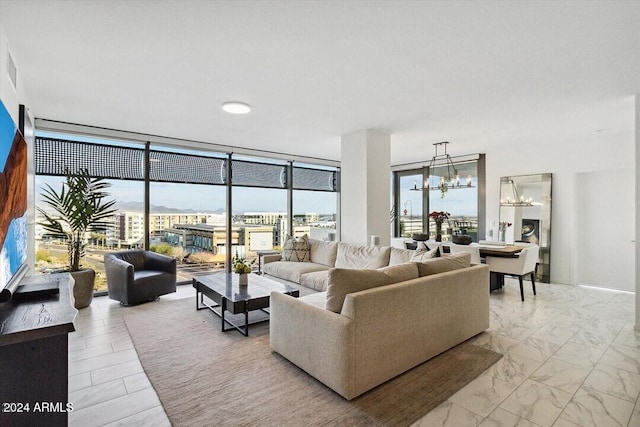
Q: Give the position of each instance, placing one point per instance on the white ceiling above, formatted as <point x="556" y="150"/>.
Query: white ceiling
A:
<point x="473" y="73"/>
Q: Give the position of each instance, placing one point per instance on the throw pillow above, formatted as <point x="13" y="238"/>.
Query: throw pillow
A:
<point x="443" y="264"/>
<point x="356" y="256"/>
<point x="324" y="253"/>
<point x="296" y="250"/>
<point x="343" y="281"/>
<point x="424" y="254"/>
<point x="400" y="256"/>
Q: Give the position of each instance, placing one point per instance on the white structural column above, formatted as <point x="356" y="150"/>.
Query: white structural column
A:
<point x="637" y="278"/>
<point x="365" y="186"/>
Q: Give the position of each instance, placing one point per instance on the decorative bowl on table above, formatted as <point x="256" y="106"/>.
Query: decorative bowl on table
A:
<point x="461" y="239"/>
<point x="420" y="237"/>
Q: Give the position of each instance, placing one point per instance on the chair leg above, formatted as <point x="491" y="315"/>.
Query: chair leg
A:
<point x="533" y="282"/>
<point x="521" y="289"/>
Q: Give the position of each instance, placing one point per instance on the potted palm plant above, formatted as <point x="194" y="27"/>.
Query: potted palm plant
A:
<point x="78" y="208"/>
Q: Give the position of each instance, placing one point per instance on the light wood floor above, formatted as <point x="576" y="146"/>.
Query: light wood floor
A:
<point x="107" y="384"/>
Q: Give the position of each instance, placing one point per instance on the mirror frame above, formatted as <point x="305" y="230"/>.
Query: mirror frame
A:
<point x="539" y="228"/>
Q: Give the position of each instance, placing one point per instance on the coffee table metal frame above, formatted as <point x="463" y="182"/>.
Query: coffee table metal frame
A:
<point x="229" y="296"/>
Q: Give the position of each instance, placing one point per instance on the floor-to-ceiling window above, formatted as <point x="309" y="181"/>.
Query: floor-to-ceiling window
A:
<point x="459" y="199"/>
<point x="315" y="204"/>
<point x="259" y="205"/>
<point x="419" y="191"/>
<point x="187" y="209"/>
<point x="105" y="159"/>
<point x="173" y="200"/>
<point x="409" y="211"/>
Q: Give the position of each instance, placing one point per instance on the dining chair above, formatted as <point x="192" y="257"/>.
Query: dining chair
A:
<point x="472" y="249"/>
<point x="520" y="266"/>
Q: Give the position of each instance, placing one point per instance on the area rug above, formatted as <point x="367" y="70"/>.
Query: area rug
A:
<point x="206" y="377"/>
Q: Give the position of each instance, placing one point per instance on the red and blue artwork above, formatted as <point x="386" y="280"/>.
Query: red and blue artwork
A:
<point x="13" y="198"/>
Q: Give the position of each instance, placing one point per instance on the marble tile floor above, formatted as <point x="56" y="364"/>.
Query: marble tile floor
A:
<point x="571" y="358"/>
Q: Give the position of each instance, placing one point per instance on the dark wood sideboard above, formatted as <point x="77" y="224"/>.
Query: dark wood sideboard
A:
<point x="34" y="357"/>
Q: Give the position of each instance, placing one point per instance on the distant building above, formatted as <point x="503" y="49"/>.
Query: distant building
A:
<point x="262" y="218"/>
<point x="129" y="226"/>
<point x="252" y="231"/>
<point x="212" y="238"/>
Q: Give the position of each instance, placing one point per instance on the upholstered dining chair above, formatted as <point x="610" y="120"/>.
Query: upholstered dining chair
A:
<point x="521" y="266"/>
<point x="472" y="249"/>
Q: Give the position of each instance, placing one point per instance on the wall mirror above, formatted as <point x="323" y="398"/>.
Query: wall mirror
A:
<point x="525" y="215"/>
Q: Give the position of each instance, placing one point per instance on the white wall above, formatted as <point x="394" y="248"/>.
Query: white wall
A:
<point x="605" y="239"/>
<point x="8" y="93"/>
<point x="637" y="197"/>
<point x="596" y="151"/>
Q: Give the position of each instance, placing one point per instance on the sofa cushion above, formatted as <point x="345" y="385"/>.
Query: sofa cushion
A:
<point x="317" y="280"/>
<point x="443" y="264"/>
<point x="150" y="277"/>
<point x="343" y="281"/>
<point x="318" y="299"/>
<point x="291" y="271"/>
<point x="296" y="250"/>
<point x="324" y="253"/>
<point x="424" y="254"/>
<point x="399" y="256"/>
<point x="401" y="272"/>
<point x="356" y="256"/>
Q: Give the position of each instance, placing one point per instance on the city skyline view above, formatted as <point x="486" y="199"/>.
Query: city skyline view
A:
<point x="208" y="198"/>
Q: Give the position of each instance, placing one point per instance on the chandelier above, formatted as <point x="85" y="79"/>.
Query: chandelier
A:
<point x="517" y="199"/>
<point x="450" y="181"/>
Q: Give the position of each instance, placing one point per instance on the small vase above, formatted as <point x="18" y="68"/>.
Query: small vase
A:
<point x="502" y="235"/>
<point x="438" y="232"/>
<point x="243" y="279"/>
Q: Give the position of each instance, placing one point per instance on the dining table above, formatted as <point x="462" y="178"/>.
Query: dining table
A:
<point x="494" y="249"/>
<point x="486" y="248"/>
<point x="506" y="251"/>
<point x="496" y="279"/>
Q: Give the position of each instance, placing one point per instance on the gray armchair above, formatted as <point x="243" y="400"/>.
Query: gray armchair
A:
<point x="138" y="276"/>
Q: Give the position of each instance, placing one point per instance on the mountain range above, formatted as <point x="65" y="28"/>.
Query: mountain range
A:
<point x="139" y="207"/>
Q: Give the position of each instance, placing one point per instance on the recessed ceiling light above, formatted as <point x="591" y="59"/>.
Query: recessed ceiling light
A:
<point x="235" y="107"/>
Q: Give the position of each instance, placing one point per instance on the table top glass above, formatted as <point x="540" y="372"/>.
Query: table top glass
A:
<point x="226" y="285"/>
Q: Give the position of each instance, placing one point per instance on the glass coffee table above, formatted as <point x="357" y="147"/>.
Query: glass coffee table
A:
<point x="229" y="296"/>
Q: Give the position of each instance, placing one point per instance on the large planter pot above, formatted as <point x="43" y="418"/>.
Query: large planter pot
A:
<point x="83" y="287"/>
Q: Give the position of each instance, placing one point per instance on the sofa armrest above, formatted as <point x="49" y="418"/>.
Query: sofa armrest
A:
<point x="271" y="258"/>
<point x="154" y="261"/>
<point x="317" y="340"/>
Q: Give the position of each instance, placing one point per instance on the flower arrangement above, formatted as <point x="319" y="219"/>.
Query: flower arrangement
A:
<point x="241" y="265"/>
<point x="439" y="216"/>
<point x="503" y="225"/>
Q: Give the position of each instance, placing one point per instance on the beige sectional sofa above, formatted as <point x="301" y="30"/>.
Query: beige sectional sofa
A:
<point x="372" y="323"/>
<point x="326" y="255"/>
